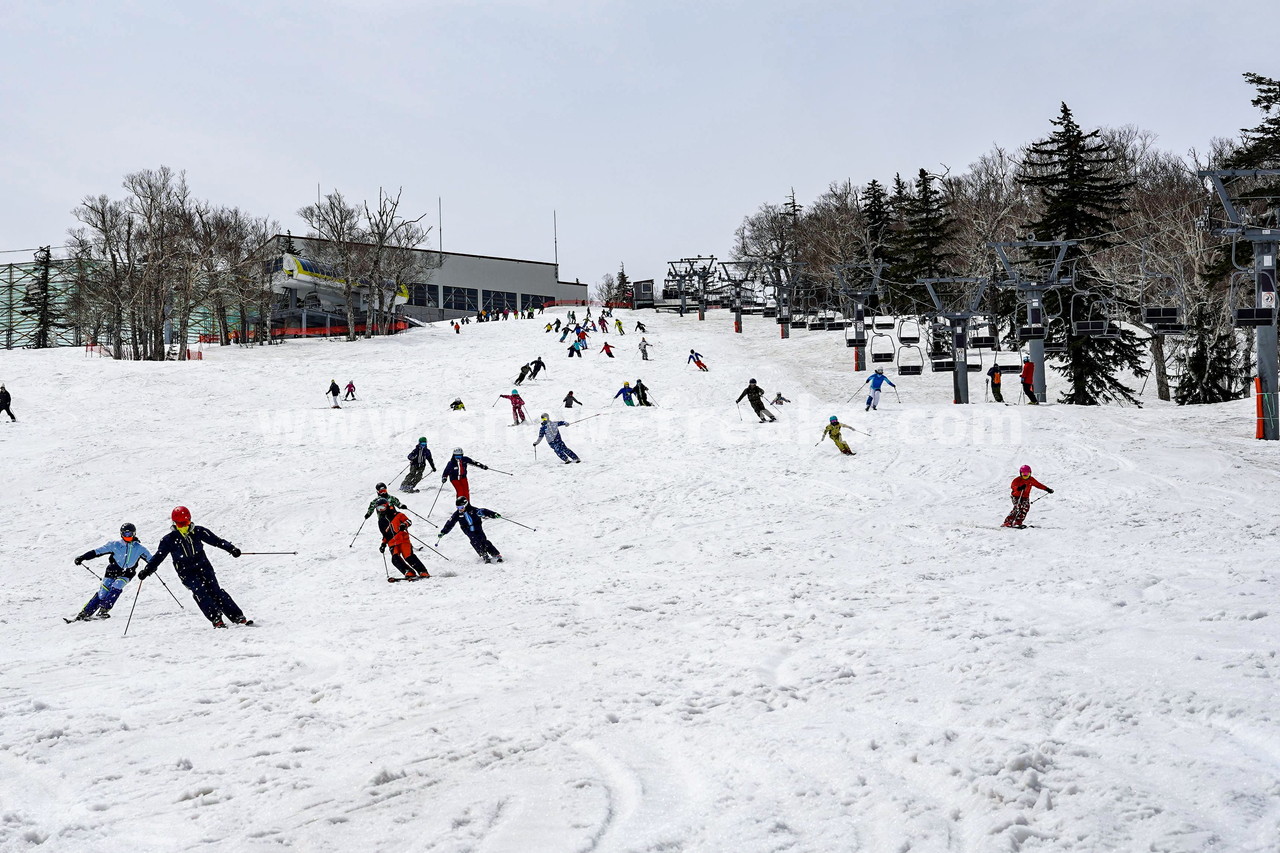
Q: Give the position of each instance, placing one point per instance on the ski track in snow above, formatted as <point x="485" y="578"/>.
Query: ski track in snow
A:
<point x="721" y="637"/>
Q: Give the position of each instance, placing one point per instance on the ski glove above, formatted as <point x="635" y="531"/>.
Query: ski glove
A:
<point x="382" y="549"/>
<point x="482" y="467"/>
<point x="79" y="560"/>
<point x="147" y="572"/>
<point x="1050" y="491"/>
<point x="235" y="552"/>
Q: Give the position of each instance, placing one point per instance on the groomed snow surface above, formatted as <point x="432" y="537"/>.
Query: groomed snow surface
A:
<point x="721" y="637"/>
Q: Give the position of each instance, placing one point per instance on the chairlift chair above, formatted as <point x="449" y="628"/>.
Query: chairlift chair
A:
<point x="908" y="331"/>
<point x="884" y="322"/>
<point x="973" y="361"/>
<point x="910" y="361"/>
<point x="881" y="349"/>
<point x="1055" y="340"/>
<point x="943" y="365"/>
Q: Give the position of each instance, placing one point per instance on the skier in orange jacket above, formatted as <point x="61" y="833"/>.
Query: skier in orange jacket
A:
<point x="1020" y="492"/>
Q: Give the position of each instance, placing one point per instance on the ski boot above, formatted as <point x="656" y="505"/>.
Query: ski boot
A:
<point x="218" y="623"/>
<point x="497" y="558"/>
<point x="240" y="620"/>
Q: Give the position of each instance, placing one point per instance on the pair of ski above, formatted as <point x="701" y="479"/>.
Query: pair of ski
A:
<point x="414" y="578"/>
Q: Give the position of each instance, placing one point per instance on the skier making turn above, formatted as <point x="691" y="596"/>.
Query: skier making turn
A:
<point x="395" y="532"/>
<point x="125" y="553"/>
<point x="456" y="472"/>
<point x="185" y="543"/>
<point x="471" y="520"/>
<point x="550" y="430"/>
<point x="832" y="431"/>
<point x="877" y="380"/>
<point x="419" y="458"/>
<point x="696" y="358"/>
<point x="755" y="394"/>
<point x="1020" y="492"/>
<point x="517" y="406"/>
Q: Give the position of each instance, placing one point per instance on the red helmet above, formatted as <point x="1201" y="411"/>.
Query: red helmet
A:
<point x="181" y="516"/>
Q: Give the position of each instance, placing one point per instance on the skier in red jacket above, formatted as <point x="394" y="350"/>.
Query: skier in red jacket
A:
<point x="1028" y="376"/>
<point x="1020" y="491"/>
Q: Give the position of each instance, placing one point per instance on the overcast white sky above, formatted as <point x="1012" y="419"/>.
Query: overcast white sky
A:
<point x="651" y="127"/>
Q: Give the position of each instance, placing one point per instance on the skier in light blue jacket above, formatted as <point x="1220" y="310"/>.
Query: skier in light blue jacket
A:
<point x="877" y="381"/>
<point x="551" y="432"/>
<point x="125" y="553"/>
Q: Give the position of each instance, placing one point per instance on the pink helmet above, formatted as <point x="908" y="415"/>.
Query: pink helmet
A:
<point x="1025" y="469"/>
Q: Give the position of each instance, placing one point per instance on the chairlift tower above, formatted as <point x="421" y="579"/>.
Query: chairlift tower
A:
<point x="958" y="316"/>
<point x="737" y="274"/>
<point x="860" y="284"/>
<point x="699" y="269"/>
<point x="1262" y="316"/>
<point x="784" y="275"/>
<point x="1031" y="293"/>
<point x="681" y="275"/>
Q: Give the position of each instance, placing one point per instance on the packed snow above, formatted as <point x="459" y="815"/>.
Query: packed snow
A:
<point x="722" y="636"/>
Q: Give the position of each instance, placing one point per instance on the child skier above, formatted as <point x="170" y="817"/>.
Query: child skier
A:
<point x="640" y="328"/>
<point x="755" y="395"/>
<point x="351" y="391"/>
<point x="185" y="543"/>
<point x="517" y="406"/>
<point x="1020" y="492"/>
<point x="471" y="519"/>
<point x="644" y="349"/>
<point x="606" y="349"/>
<point x="832" y="431"/>
<point x="457" y="405"/>
<point x="696" y="358"/>
<point x="550" y="430"/>
<point x="419" y="458"/>
<point x="334" y="391"/>
<point x="877" y="380"/>
<point x="779" y="400"/>
<point x="570" y="400"/>
<point x="121" y="565"/>
<point x="396" y="534"/>
<point x="994" y="376"/>
<point x="456" y="472"/>
<point x="625" y="393"/>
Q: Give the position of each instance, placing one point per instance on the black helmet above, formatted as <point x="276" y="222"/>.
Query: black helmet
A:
<point x="128" y="531"/>
<point x="381" y="487"/>
<point x="460" y="502"/>
<point x="751" y="382"/>
<point x="384" y="505"/>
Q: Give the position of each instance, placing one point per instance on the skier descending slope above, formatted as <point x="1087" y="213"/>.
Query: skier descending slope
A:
<point x="696" y="358"/>
<point x="382" y="498"/>
<point x="395" y="532"/>
<point x="1020" y="491"/>
<point x="517" y="406"/>
<point x="471" y="520"/>
<point x="755" y="395"/>
<point x="570" y="400"/>
<point x="419" y="458"/>
<point x="334" y="391"/>
<point x="877" y="380"/>
<point x="832" y="432"/>
<point x="185" y="543"/>
<point x="625" y="392"/>
<point x="550" y="430"/>
<point x="642" y="393"/>
<point x="456" y="472"/>
<point x="124" y="555"/>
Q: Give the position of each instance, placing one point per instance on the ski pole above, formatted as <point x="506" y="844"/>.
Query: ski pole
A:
<point x="495" y="402"/>
<point x="525" y="526"/>
<point x="358" y="529"/>
<point x="131" y="609"/>
<point x="166" y="589"/>
<point x="896" y="394"/>
<point x="90" y="571"/>
<point x="535" y="453"/>
<point x="402" y="470"/>
<point x="437" y="497"/>
<point x="411" y="512"/>
<point x="384" y="565"/>
<point x="428" y="547"/>
<point x="266" y="553"/>
<point x="589" y="417"/>
<point x="496" y="471"/>
<point x="739" y="411"/>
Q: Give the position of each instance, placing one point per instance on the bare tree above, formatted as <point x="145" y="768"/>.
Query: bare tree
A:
<point x="337" y="224"/>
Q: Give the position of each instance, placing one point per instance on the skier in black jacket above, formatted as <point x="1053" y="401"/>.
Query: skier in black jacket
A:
<point x="185" y="543"/>
<point x="537" y="365"/>
<point x="471" y="519"/>
<point x="755" y="394"/>
<point x="5" y="400"/>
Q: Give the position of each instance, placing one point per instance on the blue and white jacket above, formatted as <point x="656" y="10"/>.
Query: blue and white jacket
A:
<point x="878" y="379"/>
<point x="124" y="557"/>
<point x="551" y="432"/>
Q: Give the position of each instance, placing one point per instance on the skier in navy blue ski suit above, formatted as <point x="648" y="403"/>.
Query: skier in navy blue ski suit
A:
<point x="877" y="381"/>
<point x="419" y="458"/>
<point x="125" y="553"/>
<point x="185" y="543"/>
<point x="551" y="432"/>
<point x="471" y="520"/>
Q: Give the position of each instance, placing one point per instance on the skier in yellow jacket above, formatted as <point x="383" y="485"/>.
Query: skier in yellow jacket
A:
<point x="833" y="432"/>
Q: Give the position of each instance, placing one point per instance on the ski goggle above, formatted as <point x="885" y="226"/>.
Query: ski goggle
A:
<point x="1025" y="476"/>
<point x="128" y="537"/>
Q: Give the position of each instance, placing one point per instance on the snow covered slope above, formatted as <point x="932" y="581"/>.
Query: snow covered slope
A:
<point x="721" y="637"/>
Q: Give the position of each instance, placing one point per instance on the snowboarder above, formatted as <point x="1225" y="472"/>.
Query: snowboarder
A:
<point x="617" y="325"/>
<point x="1020" y="492"/>
<point x="778" y="400"/>
<point x="832" y="431"/>
<point x="457" y="405"/>
<point x="396" y="534"/>
<point x="351" y="391"/>
<point x="125" y="553"/>
<point x="334" y="391"/>
<point x="524" y="373"/>
<point x="755" y="395"/>
<point x="550" y="430"/>
<point x="5" y="400"/>
<point x="877" y="380"/>
<point x="471" y="519"/>
<point x="570" y="401"/>
<point x="640" y="327"/>
<point x="644" y="349"/>
<point x="642" y="393"/>
<point x="185" y="543"/>
<point x="1028" y="377"/>
<point x="994" y="375"/>
<point x="419" y="458"/>
<point x="538" y="366"/>
<point x="517" y="406"/>
<point x="606" y="349"/>
<point x="696" y="358"/>
<point x="456" y="472"/>
<point x="625" y="392"/>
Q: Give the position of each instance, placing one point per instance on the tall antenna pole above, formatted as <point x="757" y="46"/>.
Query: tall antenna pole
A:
<point x="555" y="242"/>
<point x="440" y="222"/>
